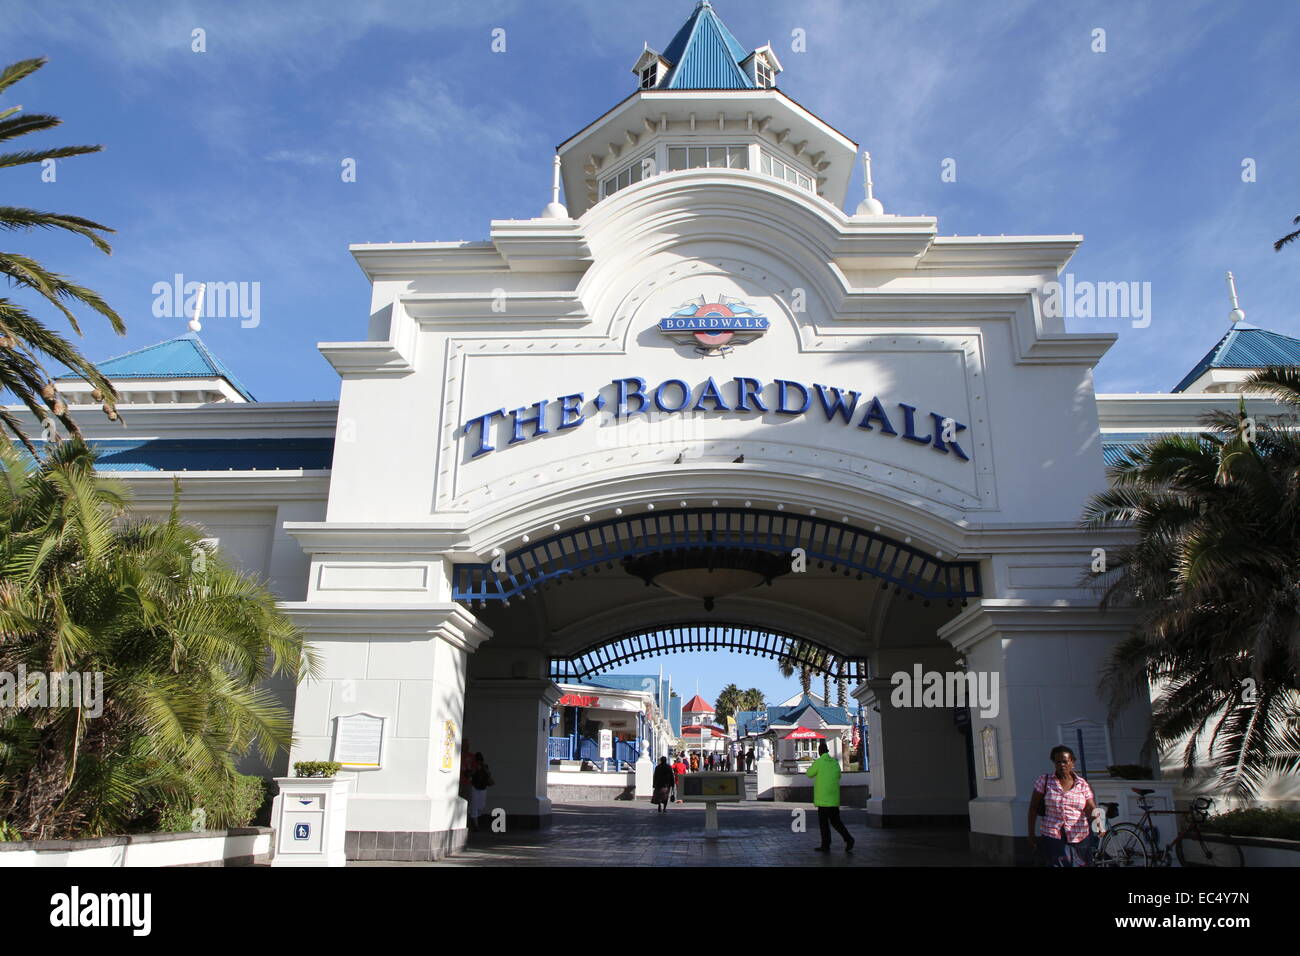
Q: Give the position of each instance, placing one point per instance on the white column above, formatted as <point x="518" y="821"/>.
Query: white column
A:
<point x="405" y="663"/>
<point x="1049" y="661"/>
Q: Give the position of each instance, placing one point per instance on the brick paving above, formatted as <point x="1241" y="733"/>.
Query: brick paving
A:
<point x="625" y="833"/>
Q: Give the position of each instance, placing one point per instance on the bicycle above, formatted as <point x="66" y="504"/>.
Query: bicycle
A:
<point x="1138" y="844"/>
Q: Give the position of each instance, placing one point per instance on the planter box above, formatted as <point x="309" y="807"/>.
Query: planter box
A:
<point x="240" y="846"/>
<point x="1263" y="851"/>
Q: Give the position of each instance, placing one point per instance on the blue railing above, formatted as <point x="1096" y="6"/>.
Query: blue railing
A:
<point x="625" y="751"/>
<point x="559" y="748"/>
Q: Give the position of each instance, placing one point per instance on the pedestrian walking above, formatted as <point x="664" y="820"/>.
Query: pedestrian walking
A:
<point x="1066" y="804"/>
<point x="663" y="785"/>
<point x="825" y="773"/>
<point x="749" y="760"/>
<point x="679" y="771"/>
<point x="479" y="781"/>
<point x="695" y="763"/>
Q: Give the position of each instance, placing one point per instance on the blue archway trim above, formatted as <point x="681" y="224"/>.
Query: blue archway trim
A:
<point x="746" y="639"/>
<point x="842" y="546"/>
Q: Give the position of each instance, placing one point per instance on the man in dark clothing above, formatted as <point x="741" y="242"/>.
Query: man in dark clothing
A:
<point x="662" y="783"/>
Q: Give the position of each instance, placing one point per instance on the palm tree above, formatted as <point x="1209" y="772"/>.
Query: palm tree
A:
<point x="728" y="703"/>
<point x="183" y="641"/>
<point x="1214" y="575"/>
<point x="752" y="699"/>
<point x="1289" y="237"/>
<point x="25" y="342"/>
<point x="795" y="658"/>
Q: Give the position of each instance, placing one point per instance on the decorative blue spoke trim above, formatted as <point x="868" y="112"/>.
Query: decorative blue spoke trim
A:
<point x="635" y="645"/>
<point x="843" y="547"/>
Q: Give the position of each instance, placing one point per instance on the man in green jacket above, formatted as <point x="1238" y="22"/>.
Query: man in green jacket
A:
<point x="825" y="773"/>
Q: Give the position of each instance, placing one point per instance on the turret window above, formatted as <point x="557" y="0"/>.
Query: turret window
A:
<point x="764" y="71"/>
<point x="712" y="157"/>
<point x="634" y="172"/>
<point x="772" y="166"/>
<point x="650" y="76"/>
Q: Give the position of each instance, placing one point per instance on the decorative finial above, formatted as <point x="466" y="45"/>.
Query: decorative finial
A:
<point x="194" y="323"/>
<point x="555" y="209"/>
<point x="870" y="205"/>
<point x="1237" y="314"/>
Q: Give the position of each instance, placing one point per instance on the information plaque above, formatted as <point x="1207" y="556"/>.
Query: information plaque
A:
<point x="359" y="741"/>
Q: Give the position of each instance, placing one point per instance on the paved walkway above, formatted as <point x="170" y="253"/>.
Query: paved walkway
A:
<point x="624" y="833"/>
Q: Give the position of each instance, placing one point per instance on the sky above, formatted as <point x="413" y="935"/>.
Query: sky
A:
<point x="1169" y="142"/>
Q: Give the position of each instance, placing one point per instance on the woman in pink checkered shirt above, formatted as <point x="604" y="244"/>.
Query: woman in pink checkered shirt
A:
<point x="1065" y="802"/>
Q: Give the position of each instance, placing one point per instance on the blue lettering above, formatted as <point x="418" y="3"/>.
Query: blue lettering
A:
<point x="710" y="394"/>
<point x="781" y="394"/>
<point x="571" y="411"/>
<point x="659" y="395"/>
<point x="876" y="413"/>
<point x="483" y="421"/>
<point x="909" y="425"/>
<point x="748" y="389"/>
<point x="537" y="421"/>
<point x="938" y="436"/>
<point x="624" y="393"/>
<point x="839" y="407"/>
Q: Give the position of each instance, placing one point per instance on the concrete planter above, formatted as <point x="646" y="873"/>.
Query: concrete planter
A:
<point x="239" y="846"/>
<point x="1263" y="851"/>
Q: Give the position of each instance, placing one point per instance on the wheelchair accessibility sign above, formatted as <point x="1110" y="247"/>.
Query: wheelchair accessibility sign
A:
<point x="302" y="831"/>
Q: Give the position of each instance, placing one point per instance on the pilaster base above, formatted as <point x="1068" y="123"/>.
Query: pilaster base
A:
<point x="403" y="845"/>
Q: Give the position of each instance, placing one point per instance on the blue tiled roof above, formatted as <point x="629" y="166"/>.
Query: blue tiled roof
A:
<point x="1115" y="447"/>
<point x="1245" y="346"/>
<point x="704" y="55"/>
<point x="788" y="715"/>
<point x="213" y="454"/>
<point x="645" y="682"/>
<point x="183" y="357"/>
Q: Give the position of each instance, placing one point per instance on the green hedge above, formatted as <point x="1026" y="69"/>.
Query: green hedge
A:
<point x="1256" y="822"/>
<point x="231" y="805"/>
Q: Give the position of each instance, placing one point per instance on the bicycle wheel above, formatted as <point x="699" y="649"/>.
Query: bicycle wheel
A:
<point x="1195" y="850"/>
<point x="1123" y="845"/>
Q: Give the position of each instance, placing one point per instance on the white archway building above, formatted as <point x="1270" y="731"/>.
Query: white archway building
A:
<point x="893" y="402"/>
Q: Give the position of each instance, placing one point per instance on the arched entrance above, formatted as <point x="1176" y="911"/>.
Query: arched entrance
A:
<point x="823" y="592"/>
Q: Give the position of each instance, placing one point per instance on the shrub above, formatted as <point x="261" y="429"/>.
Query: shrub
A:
<point x="1256" y="822"/>
<point x="231" y="805"/>
<point x="316" y="768"/>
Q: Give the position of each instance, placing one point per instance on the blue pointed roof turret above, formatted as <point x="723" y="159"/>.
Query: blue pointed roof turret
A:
<point x="1245" y="346"/>
<point x="704" y="55"/>
<point x="180" y="358"/>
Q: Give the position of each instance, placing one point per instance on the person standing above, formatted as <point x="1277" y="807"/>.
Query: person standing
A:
<point x="825" y="773"/>
<point x="662" y="782"/>
<point x="479" y="782"/>
<point x="679" y="771"/>
<point x="749" y="760"/>
<point x="695" y="763"/>
<point x="1065" y="802"/>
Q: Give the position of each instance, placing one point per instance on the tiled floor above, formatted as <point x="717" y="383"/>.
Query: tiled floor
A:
<point x="752" y="834"/>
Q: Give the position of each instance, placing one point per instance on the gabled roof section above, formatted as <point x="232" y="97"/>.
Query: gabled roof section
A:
<point x="698" y="705"/>
<point x="182" y="357"/>
<point x="837" y="716"/>
<point x="1246" y="346"/>
<point x="705" y="55"/>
